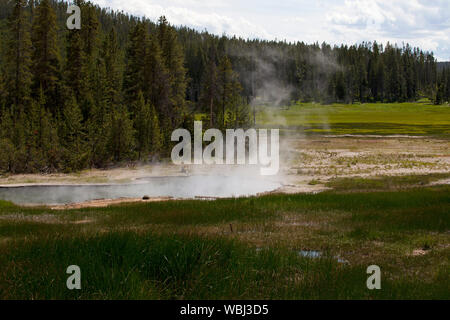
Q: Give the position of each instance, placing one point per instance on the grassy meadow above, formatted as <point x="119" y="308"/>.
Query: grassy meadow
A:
<point x="257" y="247"/>
<point x="372" y="118"/>
<point x="234" y="248"/>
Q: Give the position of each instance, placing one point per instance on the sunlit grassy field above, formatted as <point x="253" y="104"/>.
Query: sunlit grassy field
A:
<point x="380" y="119"/>
<point x="233" y="249"/>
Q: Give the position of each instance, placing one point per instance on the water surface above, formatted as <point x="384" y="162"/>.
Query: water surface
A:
<point x="177" y="187"/>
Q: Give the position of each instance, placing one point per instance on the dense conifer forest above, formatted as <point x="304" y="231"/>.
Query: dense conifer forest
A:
<point x="115" y="90"/>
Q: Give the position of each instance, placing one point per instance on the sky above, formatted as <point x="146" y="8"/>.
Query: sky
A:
<point x="421" y="23"/>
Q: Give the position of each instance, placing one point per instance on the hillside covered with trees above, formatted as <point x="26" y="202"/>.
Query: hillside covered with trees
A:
<point x="115" y="90"/>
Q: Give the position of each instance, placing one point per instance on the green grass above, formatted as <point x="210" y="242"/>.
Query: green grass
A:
<point x="186" y="250"/>
<point x="128" y="266"/>
<point x="358" y="184"/>
<point x="379" y="119"/>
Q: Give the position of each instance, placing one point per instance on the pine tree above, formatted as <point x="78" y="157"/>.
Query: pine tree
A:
<point x="6" y="156"/>
<point x="173" y="58"/>
<point x="340" y="87"/>
<point x="373" y="67"/>
<point x="393" y="76"/>
<point x="100" y="104"/>
<point x="46" y="59"/>
<point x="89" y="30"/>
<point x="142" y="126"/>
<point x="99" y="130"/>
<point x="3" y="91"/>
<point x="89" y="35"/>
<point x="6" y="143"/>
<point x="362" y="81"/>
<point x="209" y="86"/>
<point x="36" y="158"/>
<point x="157" y="81"/>
<point x="75" y="68"/>
<point x="112" y="64"/>
<point x="42" y="140"/>
<point x="18" y="56"/>
<point x="447" y="88"/>
<point x="228" y="91"/>
<point x="156" y="135"/>
<point x="19" y="140"/>
<point x="381" y="81"/>
<point x="121" y="140"/>
<point x="239" y="116"/>
<point x="134" y="78"/>
<point x="73" y="133"/>
<point x="439" y="97"/>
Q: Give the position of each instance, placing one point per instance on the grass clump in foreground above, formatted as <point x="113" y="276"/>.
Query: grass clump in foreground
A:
<point x="132" y="266"/>
<point x="155" y="251"/>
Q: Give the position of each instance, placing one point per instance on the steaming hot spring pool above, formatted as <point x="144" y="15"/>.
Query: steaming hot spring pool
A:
<point x="176" y="187"/>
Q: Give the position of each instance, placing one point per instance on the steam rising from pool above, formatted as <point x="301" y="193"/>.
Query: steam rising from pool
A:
<point x="177" y="187"/>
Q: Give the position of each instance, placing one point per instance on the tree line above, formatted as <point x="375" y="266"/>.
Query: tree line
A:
<point x="115" y="90"/>
<point x="72" y="99"/>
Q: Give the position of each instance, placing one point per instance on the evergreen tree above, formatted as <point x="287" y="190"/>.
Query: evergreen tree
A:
<point x="19" y="140"/>
<point x="134" y="78"/>
<point x="89" y="30"/>
<point x="42" y="140"/>
<point x="113" y="67"/>
<point x="209" y="86"/>
<point x="173" y="58"/>
<point x="228" y="91"/>
<point x="6" y="156"/>
<point x="447" y="87"/>
<point x="89" y="35"/>
<point x="7" y="160"/>
<point x="3" y="91"/>
<point x="393" y="80"/>
<point x="156" y="135"/>
<point x="239" y="115"/>
<point x="75" y="66"/>
<point x="18" y="56"/>
<point x="98" y="126"/>
<point x="149" y="140"/>
<point x="373" y="66"/>
<point x="362" y="81"/>
<point x="439" y="95"/>
<point x="156" y="79"/>
<point x="46" y="59"/>
<point x="340" y="89"/>
<point x="75" y="151"/>
<point x="99" y="130"/>
<point x="143" y="126"/>
<point x="121" y="140"/>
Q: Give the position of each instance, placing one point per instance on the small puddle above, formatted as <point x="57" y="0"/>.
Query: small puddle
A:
<point x="310" y="253"/>
<point x="313" y="254"/>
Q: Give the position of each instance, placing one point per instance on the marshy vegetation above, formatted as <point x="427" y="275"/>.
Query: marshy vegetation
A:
<point x="245" y="248"/>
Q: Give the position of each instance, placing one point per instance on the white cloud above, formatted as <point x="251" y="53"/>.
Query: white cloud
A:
<point x="196" y="14"/>
<point x="424" y="23"/>
<point x="421" y="23"/>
